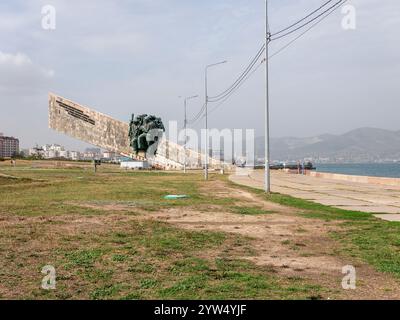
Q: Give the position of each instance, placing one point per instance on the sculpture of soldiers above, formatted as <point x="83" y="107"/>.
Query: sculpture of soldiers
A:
<point x="141" y="134"/>
<point x="132" y="133"/>
<point x="144" y="131"/>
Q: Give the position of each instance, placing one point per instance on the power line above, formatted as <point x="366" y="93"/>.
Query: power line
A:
<point x="301" y="20"/>
<point x="249" y="71"/>
<point x="232" y="88"/>
<point x="231" y="94"/>
<point x="237" y="83"/>
<point x="308" y="22"/>
<point x="223" y="94"/>
<point x="303" y="33"/>
<point x="197" y="115"/>
<point x="227" y="98"/>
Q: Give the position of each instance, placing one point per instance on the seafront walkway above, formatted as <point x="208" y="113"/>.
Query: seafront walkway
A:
<point x="377" y="196"/>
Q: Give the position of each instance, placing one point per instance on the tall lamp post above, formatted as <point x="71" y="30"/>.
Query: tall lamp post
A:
<point x="267" y="130"/>
<point x="185" y="127"/>
<point x="206" y="106"/>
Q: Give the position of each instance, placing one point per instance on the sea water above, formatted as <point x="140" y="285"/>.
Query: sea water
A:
<point x="391" y="170"/>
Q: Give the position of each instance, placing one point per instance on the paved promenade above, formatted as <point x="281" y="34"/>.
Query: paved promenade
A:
<point x="367" y="197"/>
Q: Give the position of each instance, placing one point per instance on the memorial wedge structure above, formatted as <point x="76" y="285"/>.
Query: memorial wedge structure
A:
<point x="93" y="127"/>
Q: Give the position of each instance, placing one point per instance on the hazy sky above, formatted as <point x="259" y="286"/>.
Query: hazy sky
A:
<point x="138" y="56"/>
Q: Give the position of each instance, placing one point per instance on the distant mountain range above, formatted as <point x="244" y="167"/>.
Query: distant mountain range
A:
<point x="360" y="145"/>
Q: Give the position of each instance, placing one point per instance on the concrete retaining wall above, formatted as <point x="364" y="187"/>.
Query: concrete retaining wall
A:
<point x="359" y="179"/>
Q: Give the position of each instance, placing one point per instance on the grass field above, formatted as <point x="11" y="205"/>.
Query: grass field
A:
<point x="107" y="238"/>
<point x="362" y="235"/>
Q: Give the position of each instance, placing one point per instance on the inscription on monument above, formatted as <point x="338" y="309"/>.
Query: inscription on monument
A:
<point x="77" y="113"/>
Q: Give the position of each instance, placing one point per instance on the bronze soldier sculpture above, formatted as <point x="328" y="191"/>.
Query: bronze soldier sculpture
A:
<point x="144" y="132"/>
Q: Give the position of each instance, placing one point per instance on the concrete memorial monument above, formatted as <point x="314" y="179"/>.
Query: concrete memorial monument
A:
<point x="141" y="139"/>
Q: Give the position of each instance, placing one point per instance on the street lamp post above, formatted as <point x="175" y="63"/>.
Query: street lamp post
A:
<point x="267" y="129"/>
<point x="206" y="116"/>
<point x="185" y="126"/>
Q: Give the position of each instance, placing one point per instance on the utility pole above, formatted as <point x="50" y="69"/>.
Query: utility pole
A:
<point x="184" y="147"/>
<point x="185" y="127"/>
<point x="206" y="111"/>
<point x="206" y="151"/>
<point x="266" y="135"/>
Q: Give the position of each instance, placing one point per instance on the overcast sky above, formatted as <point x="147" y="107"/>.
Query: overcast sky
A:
<point x="138" y="56"/>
